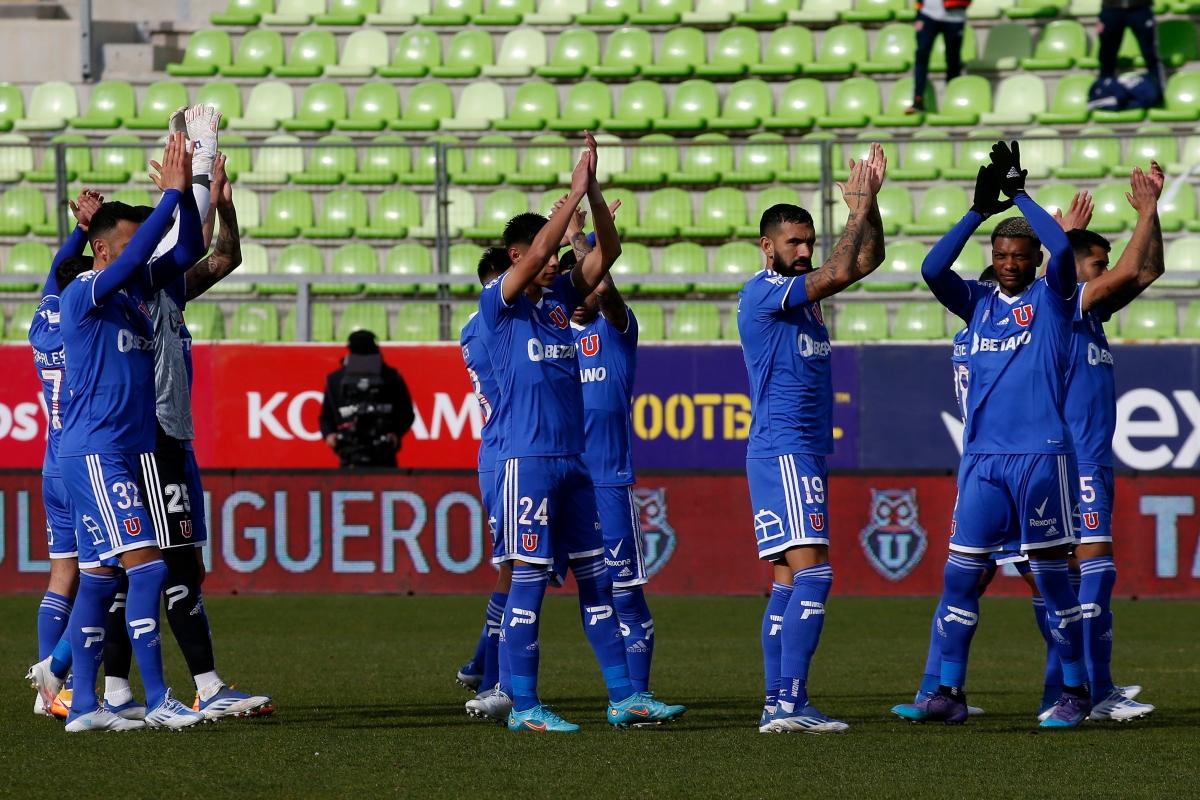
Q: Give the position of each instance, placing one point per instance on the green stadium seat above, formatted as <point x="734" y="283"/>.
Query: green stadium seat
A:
<point x="895" y="50"/>
<point x="428" y="104"/>
<point x="161" y="100"/>
<point x="224" y="97"/>
<point x="260" y="52"/>
<point x="1191" y="321"/>
<point x="855" y="102"/>
<point x="488" y="165"/>
<point x="1062" y="43"/>
<point x="365" y="52"/>
<point x="288" y="212"/>
<point x="450" y="13"/>
<point x="294" y="12"/>
<point x="767" y="198"/>
<point x="968" y="53"/>
<point x="679" y="258"/>
<point x="12" y="105"/>
<point x="763" y="157"/>
<point x="464" y="260"/>
<point x="1113" y="212"/>
<point x="480" y="104"/>
<point x="342" y="212"/>
<point x="1183" y="255"/>
<point x="1042" y="152"/>
<point x="924" y="160"/>
<point x="50" y="106"/>
<point x="703" y="164"/>
<point x="275" y="164"/>
<point x="521" y="52"/>
<point x="375" y="104"/>
<point x="975" y="152"/>
<point x="628" y="51"/>
<point x="246" y="201"/>
<point x="469" y="52"/>
<point x="842" y="48"/>
<point x="28" y="258"/>
<point x="505" y="12"/>
<point x="112" y="102"/>
<point x="862" y="322"/>
<point x="650" y="165"/>
<point x="733" y="52"/>
<point x="320" y="327"/>
<point x="747" y="104"/>
<point x="941" y="208"/>
<point x="395" y="212"/>
<point x="681" y="50"/>
<point x="116" y="164"/>
<point x="609" y="12"/>
<point x="78" y="159"/>
<point x="270" y="104"/>
<point x="459" y="318"/>
<point x="329" y="166"/>
<point x="405" y="259"/>
<point x="556" y="12"/>
<point x="1178" y="42"/>
<point x="1084" y="8"/>
<point x="766" y="12"/>
<point x="424" y="171"/>
<point x="350" y="259"/>
<point x="1179" y="211"/>
<point x="695" y="102"/>
<point x="650" y="319"/>
<point x="1055" y="197"/>
<point x="878" y="11"/>
<point x="1019" y="98"/>
<point x="371" y="317"/>
<point x="417" y="52"/>
<point x="971" y="261"/>
<point x="312" y="52"/>
<point x="534" y="103"/>
<point x="243" y="12"/>
<point x="498" y="208"/>
<point x="295" y="259"/>
<point x="207" y="52"/>
<point x="661" y="12"/>
<point x="902" y="265"/>
<point x="1028" y="9"/>
<point x="967" y="97"/>
<point x="896" y="114"/>
<point x="1182" y="99"/>
<point x="322" y="106"/>
<point x="1150" y="319"/>
<point x="737" y="261"/>
<point x="1189" y="156"/>
<point x="722" y="211"/>
<point x="460" y="215"/>
<point x="806" y="159"/>
<point x="1069" y="105"/>
<point x="788" y="48"/>
<point x="1006" y="46"/>
<point x="859" y="149"/>
<point x="713" y="12"/>
<point x="16" y="157"/>
<point x="253" y="322"/>
<point x="641" y="103"/>
<point x="1091" y="157"/>
<point x="695" y="322"/>
<point x="22" y="209"/>
<point x="920" y="321"/>
<point x="819" y="11"/>
<point x="895" y="208"/>
<point x="205" y="322"/>
<point x="575" y="52"/>
<point x="542" y="164"/>
<point x="22" y="320"/>
<point x="665" y="213"/>
<point x="347" y="12"/>
<point x="418" y="322"/>
<point x="255" y="261"/>
<point x="1153" y="142"/>
<point x="633" y="261"/>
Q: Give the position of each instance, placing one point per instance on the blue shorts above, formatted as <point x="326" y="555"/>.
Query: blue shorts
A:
<point x="1095" y="504"/>
<point x="60" y="521"/>
<point x="624" y="547"/>
<point x="110" y="517"/>
<point x="789" y="494"/>
<point x="195" y="489"/>
<point x="1008" y="503"/>
<point x="487" y="494"/>
<point x="548" y="510"/>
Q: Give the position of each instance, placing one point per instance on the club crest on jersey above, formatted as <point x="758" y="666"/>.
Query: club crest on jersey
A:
<point x="815" y="308"/>
<point x="1023" y="315"/>
<point x="133" y="525"/>
<point x="590" y="344"/>
<point x="558" y="317"/>
<point x="658" y="537"/>
<point x="816" y="521"/>
<point x="894" y="541"/>
<point x="1091" y="520"/>
<point x="529" y="541"/>
<point x="142" y="308"/>
<point x="185" y="528"/>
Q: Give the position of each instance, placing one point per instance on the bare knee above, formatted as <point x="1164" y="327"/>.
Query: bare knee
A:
<point x="64" y="577"/>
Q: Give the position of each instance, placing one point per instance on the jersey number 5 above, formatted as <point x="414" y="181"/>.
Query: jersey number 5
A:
<point x="1087" y="493"/>
<point x="541" y="515"/>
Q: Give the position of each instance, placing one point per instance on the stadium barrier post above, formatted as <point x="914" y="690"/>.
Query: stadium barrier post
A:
<point x="85" y="40"/>
<point x="441" y="187"/>
<point x="60" y="189"/>
<point x="827" y="200"/>
<point x="303" y="309"/>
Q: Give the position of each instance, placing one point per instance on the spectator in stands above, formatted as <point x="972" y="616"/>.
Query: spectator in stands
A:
<point x="1138" y="16"/>
<point x="367" y="408"/>
<point x="947" y="17"/>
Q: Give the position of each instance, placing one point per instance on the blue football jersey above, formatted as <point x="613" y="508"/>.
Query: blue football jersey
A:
<point x="1091" y="407"/>
<point x="533" y="358"/>
<point x="607" y="365"/>
<point x="479" y="368"/>
<point x="50" y="361"/>
<point x="1017" y="361"/>
<point x="962" y="372"/>
<point x="789" y="359"/>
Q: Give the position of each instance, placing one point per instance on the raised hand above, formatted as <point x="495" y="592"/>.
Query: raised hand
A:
<point x="176" y="170"/>
<point x="612" y="208"/>
<point x="583" y="175"/>
<point x="856" y="189"/>
<point x="221" y="188"/>
<point x="876" y="166"/>
<point x="987" y="192"/>
<point x="1156" y="175"/>
<point x="1008" y="162"/>
<point x="1144" y="196"/>
<point x="85" y="206"/>
<point x="1078" y="215"/>
<point x="595" y="156"/>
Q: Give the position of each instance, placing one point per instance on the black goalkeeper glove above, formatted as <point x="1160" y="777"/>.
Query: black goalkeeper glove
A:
<point x="987" y="193"/>
<point x="1008" y="163"/>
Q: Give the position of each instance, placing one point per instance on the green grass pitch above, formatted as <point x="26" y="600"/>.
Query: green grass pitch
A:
<point x="367" y="707"/>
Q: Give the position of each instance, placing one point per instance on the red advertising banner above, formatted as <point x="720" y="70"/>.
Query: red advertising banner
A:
<point x="350" y="531"/>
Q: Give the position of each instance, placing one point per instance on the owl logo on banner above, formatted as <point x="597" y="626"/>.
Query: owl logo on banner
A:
<point x="894" y="541"/>
<point x="657" y="533"/>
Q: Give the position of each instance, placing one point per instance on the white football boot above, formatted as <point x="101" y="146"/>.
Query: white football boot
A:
<point x="172" y="714"/>
<point x="46" y="682"/>
<point x="1116" y="707"/>
<point x="492" y="704"/>
<point x="103" y="720"/>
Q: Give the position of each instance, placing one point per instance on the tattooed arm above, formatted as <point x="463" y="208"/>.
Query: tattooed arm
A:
<point x="226" y="255"/>
<point x="1142" y="262"/>
<point x="612" y="305"/>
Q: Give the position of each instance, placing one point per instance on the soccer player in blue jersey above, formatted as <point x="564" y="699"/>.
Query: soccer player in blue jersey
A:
<point x="109" y="344"/>
<point x="1091" y="415"/>
<point x="485" y="671"/>
<point x="547" y="500"/>
<point x="1018" y="455"/>
<point x="788" y="357"/>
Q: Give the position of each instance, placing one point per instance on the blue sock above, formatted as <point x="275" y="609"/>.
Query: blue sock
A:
<point x="1064" y="615"/>
<point x="491" y="640"/>
<point x="1052" y="686"/>
<point x="637" y="628"/>
<point x="60" y="659"/>
<point x="772" y="639"/>
<point x="1095" y="598"/>
<point x="522" y="619"/>
<point x="932" y="678"/>
<point x="597" y="607"/>
<point x="958" y="616"/>
<point x="53" y="614"/>
<point x="142" y="604"/>
<point x="1076" y="575"/>
<point x="86" y="626"/>
<point x="802" y="623"/>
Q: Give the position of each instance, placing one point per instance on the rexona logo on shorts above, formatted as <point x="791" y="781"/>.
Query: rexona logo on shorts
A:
<point x="894" y="540"/>
<point x="657" y="533"/>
